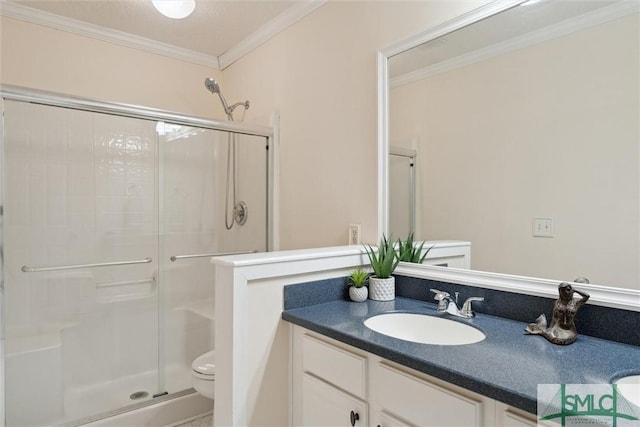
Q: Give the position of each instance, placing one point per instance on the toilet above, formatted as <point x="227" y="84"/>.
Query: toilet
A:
<point x="203" y="371"/>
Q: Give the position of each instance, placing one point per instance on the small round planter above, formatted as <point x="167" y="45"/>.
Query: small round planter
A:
<point x="382" y="289"/>
<point x="358" y="294"/>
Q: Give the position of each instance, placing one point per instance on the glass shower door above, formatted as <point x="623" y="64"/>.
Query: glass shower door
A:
<point x="109" y="226"/>
<point x="201" y="173"/>
<point x="81" y="253"/>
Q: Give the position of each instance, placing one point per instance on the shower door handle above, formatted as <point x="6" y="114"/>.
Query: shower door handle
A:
<point x="28" y="269"/>
<point x="178" y="257"/>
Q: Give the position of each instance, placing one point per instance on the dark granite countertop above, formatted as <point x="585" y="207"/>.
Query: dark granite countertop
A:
<point x="507" y="365"/>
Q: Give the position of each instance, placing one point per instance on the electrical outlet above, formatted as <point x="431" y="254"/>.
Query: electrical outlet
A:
<point x="354" y="234"/>
<point x="543" y="227"/>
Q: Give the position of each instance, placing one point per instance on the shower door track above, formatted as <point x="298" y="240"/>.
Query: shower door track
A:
<point x="18" y="93"/>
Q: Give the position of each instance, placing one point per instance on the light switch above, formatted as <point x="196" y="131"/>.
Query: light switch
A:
<point x="543" y="227"/>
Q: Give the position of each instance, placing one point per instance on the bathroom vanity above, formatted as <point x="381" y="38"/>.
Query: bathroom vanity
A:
<point x="266" y="304"/>
<point x="337" y="384"/>
<point x="344" y="372"/>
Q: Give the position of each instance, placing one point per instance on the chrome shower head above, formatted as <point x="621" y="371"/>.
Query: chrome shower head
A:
<point x="212" y="85"/>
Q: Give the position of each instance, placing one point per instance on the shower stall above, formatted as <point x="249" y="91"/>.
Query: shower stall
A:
<point x="110" y="215"/>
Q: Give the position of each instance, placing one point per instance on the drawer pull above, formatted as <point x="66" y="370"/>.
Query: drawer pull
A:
<point x="354" y="417"/>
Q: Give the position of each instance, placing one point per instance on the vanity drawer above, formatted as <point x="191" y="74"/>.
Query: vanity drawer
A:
<point x="335" y="365"/>
<point x="421" y="402"/>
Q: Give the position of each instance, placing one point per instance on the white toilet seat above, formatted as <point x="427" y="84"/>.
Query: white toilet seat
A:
<point x="203" y="374"/>
<point x="203" y="377"/>
<point x="205" y="366"/>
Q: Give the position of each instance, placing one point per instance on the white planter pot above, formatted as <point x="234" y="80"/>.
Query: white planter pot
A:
<point x="382" y="289"/>
<point x="358" y="294"/>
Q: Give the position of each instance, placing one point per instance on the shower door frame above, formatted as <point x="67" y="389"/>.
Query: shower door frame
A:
<point x="17" y="93"/>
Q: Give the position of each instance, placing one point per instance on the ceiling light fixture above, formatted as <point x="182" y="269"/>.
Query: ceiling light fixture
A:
<point x="175" y="9"/>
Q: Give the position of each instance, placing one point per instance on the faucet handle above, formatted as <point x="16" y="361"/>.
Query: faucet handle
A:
<point x="466" y="307"/>
<point x="441" y="297"/>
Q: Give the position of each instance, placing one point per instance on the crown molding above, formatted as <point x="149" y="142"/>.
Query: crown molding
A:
<point x="255" y="39"/>
<point x="597" y="17"/>
<point x="74" y="26"/>
<point x="269" y="30"/>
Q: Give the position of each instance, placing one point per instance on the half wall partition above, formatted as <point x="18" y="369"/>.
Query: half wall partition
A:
<point x="111" y="214"/>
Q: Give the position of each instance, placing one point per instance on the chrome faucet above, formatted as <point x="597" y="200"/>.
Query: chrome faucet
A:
<point x="446" y="304"/>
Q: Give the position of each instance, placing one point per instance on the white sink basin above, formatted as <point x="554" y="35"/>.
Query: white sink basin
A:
<point x="424" y="329"/>
<point x="629" y="387"/>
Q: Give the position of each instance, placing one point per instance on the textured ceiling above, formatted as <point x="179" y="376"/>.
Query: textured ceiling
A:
<point x="212" y="29"/>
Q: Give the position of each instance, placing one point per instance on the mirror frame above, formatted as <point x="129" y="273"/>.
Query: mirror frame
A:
<point x="621" y="298"/>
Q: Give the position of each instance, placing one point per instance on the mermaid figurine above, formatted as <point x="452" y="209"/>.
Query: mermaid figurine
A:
<point x="563" y="329"/>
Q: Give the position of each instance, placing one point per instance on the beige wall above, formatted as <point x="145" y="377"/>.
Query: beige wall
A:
<point x="549" y="131"/>
<point x="320" y="74"/>
<point x="42" y="58"/>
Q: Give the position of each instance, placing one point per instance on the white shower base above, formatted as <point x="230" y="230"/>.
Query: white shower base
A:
<point x="39" y="396"/>
<point x="101" y="398"/>
<point x="164" y="413"/>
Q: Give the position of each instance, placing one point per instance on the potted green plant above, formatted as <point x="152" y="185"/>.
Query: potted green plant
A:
<point x="408" y="251"/>
<point x="358" y="292"/>
<point x="382" y="285"/>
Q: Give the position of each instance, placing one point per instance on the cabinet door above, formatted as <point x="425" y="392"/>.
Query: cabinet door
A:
<point x="338" y="367"/>
<point x="324" y="405"/>
<point x="507" y="416"/>
<point x="423" y="403"/>
<point x="388" y="420"/>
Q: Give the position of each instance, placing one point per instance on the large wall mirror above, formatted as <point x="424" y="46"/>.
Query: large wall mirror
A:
<point x="524" y="122"/>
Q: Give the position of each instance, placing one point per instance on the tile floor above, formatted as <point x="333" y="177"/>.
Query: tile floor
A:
<point x="202" y="421"/>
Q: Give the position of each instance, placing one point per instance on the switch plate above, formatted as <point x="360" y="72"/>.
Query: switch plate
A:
<point x="354" y="234"/>
<point x="543" y="227"/>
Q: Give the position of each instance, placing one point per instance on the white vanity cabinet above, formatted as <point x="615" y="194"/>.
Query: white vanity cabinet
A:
<point x="412" y="398"/>
<point x="336" y="384"/>
<point x="331" y="382"/>
<point x="506" y="416"/>
<point x="326" y="405"/>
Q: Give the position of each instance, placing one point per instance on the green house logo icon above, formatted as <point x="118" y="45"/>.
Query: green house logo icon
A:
<point x="573" y="405"/>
